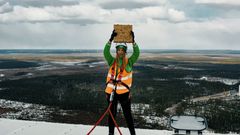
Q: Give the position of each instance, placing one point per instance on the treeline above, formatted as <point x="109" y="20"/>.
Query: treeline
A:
<point x="8" y="64"/>
<point x="81" y="91"/>
<point x="199" y="69"/>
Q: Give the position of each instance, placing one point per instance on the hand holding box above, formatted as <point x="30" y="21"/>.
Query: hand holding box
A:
<point x="123" y="33"/>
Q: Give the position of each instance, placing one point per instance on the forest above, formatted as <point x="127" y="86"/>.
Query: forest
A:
<point x="157" y="83"/>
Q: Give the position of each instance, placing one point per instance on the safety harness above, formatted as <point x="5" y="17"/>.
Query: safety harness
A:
<point x="116" y="80"/>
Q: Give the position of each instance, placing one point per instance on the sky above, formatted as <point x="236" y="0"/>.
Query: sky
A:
<point x="88" y="24"/>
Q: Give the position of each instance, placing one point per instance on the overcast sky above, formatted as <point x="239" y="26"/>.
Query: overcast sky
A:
<point x="87" y="24"/>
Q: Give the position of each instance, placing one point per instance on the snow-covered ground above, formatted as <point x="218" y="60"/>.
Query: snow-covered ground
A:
<point x="226" y="81"/>
<point x="21" y="110"/>
<point x="20" y="127"/>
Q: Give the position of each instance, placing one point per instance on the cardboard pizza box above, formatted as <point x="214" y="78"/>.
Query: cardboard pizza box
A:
<point x="123" y="33"/>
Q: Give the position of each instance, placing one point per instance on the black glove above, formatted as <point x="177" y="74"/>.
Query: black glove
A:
<point x="133" y="37"/>
<point x="114" y="34"/>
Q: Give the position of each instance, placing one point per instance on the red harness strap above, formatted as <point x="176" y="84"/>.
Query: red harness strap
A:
<point x="100" y="119"/>
<point x="115" y="81"/>
<point x="117" y="78"/>
<point x="113" y="70"/>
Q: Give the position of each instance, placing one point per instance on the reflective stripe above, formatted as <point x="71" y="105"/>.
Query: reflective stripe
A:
<point x="123" y="78"/>
<point x="109" y="75"/>
<point x="126" y="77"/>
<point x="118" y="87"/>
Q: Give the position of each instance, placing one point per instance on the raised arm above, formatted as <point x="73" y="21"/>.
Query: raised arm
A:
<point x="134" y="57"/>
<point x="107" y="55"/>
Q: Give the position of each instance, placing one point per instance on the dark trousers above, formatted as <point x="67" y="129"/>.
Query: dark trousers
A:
<point x="126" y="107"/>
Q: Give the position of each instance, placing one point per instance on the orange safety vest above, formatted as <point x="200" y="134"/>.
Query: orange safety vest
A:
<point x="123" y="80"/>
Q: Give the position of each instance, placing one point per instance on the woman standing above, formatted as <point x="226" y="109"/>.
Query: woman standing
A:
<point x="119" y="80"/>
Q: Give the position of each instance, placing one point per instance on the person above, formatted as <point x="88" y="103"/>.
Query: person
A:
<point x="119" y="78"/>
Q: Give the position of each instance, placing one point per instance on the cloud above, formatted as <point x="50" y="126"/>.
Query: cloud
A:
<point x="88" y="11"/>
<point x="125" y="5"/>
<point x="6" y="7"/>
<point x="161" y="13"/>
<point x="54" y="35"/>
<point x="214" y="34"/>
<point x="176" y="16"/>
<point x="200" y="10"/>
<point x="168" y="24"/>
<point x="22" y="14"/>
<point x="53" y="14"/>
<point x="220" y="2"/>
<point x="42" y="3"/>
<point x="154" y="34"/>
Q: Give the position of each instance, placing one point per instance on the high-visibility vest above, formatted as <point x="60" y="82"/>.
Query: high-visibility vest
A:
<point x="122" y="82"/>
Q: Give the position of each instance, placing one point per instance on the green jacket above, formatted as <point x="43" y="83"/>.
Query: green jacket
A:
<point x="131" y="60"/>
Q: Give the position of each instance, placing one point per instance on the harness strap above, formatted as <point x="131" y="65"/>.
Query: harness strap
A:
<point x="118" y="82"/>
<point x="124" y="84"/>
<point x="113" y="68"/>
<point x="113" y="71"/>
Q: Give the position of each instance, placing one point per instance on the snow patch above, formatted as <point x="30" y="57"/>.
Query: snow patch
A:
<point x="21" y="110"/>
<point x="66" y="63"/>
<point x="2" y="75"/>
<point x="226" y="81"/>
